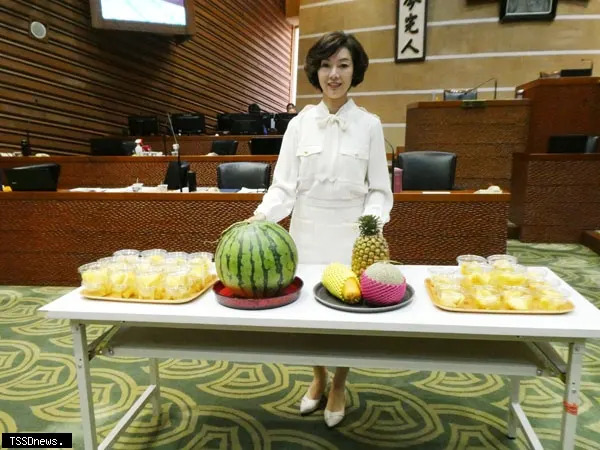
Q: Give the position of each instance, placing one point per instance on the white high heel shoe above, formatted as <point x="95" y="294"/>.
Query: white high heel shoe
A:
<point x="308" y="405"/>
<point x="332" y="418"/>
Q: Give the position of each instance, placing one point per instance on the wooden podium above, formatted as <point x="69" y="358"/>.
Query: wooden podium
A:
<point x="561" y="106"/>
<point x="484" y="134"/>
<point x="555" y="197"/>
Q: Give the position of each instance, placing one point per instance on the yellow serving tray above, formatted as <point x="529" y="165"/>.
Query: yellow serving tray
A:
<point x="436" y="302"/>
<point x="164" y="301"/>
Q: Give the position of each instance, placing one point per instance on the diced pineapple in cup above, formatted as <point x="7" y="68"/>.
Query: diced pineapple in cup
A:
<point x="515" y="276"/>
<point x="487" y="297"/>
<point x="517" y="298"/>
<point x="200" y="259"/>
<point x="502" y="262"/>
<point x="440" y="275"/>
<point x="123" y="281"/>
<point x="94" y="279"/>
<point x="450" y="297"/>
<point x="155" y="256"/>
<point x="176" y="258"/>
<point x="471" y="263"/>
<point x="478" y="277"/>
<point x="552" y="299"/>
<point x="177" y="284"/>
<point x="128" y="256"/>
<point x="150" y="283"/>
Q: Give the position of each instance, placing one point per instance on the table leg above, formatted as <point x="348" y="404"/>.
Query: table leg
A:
<point x="155" y="380"/>
<point x="571" y="396"/>
<point x="512" y="421"/>
<point x="86" y="402"/>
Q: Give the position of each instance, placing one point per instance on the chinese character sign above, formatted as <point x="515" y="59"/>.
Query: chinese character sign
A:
<point x="411" y="30"/>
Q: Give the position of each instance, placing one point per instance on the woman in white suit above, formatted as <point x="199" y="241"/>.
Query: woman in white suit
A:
<point x="332" y="169"/>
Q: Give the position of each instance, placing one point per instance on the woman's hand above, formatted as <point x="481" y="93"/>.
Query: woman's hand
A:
<point x="255" y="217"/>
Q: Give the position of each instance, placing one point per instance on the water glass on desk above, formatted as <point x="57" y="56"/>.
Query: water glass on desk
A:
<point x="397" y="179"/>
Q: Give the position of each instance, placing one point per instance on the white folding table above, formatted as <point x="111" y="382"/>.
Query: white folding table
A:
<point x="418" y="336"/>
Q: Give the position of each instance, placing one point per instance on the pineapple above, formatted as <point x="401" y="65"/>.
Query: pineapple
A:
<point x="370" y="246"/>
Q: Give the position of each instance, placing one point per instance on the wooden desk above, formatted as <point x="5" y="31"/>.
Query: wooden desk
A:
<point x="484" y="137"/>
<point x="555" y="197"/>
<point x="46" y="235"/>
<point x="561" y="106"/>
<point x="120" y="171"/>
<point x="201" y="144"/>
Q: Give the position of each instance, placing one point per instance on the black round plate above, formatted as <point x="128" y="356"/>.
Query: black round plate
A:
<point x="325" y="298"/>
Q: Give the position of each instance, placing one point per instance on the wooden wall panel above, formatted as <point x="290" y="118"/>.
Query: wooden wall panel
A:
<point x="466" y="45"/>
<point x="83" y="83"/>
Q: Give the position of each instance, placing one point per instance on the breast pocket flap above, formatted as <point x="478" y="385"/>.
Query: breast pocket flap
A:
<point x="307" y="150"/>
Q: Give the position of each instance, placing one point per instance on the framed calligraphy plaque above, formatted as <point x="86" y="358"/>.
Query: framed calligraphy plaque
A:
<point x="513" y="10"/>
<point x="411" y="30"/>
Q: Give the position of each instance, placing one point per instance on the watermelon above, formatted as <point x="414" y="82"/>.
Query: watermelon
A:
<point x="256" y="259"/>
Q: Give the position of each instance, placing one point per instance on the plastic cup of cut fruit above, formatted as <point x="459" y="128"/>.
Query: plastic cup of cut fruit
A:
<point x="129" y="256"/>
<point x="551" y="299"/>
<point x="516" y="275"/>
<point x="200" y="257"/>
<point x="150" y="283"/>
<point x="123" y="281"/>
<point x="501" y="261"/>
<point x="94" y="279"/>
<point x="517" y="298"/>
<point x="177" y="283"/>
<point x="450" y="296"/>
<point x="471" y="263"/>
<point x="440" y="275"/>
<point x="479" y="277"/>
<point x="487" y="297"/>
<point x="176" y="258"/>
<point x="155" y="256"/>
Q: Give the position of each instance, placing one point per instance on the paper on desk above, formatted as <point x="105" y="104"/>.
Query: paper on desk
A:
<point x="251" y="191"/>
<point x="87" y="189"/>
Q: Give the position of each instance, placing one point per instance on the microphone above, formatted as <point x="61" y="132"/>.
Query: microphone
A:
<point x="176" y="148"/>
<point x="481" y="84"/>
<point x="26" y="145"/>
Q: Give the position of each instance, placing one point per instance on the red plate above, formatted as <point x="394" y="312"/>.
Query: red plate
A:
<point x="290" y="294"/>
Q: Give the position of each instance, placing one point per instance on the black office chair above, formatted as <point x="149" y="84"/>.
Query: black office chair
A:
<point x="593" y="144"/>
<point x="223" y="148"/>
<point x="427" y="170"/>
<point x="573" y="143"/>
<point x="251" y="175"/>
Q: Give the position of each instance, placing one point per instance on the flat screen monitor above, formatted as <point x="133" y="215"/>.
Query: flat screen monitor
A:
<point x="574" y="143"/>
<point x="282" y="120"/>
<point x="223" y="122"/>
<point x="171" y="179"/>
<point x="143" y="125"/>
<point x="174" y="17"/>
<point x="265" y="146"/>
<point x="111" y="147"/>
<point x="38" y="177"/>
<point x="247" y="124"/>
<point x="188" y="123"/>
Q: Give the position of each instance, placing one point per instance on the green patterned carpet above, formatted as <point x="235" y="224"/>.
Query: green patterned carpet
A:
<point x="224" y="405"/>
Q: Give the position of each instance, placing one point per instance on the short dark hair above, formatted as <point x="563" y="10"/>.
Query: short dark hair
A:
<point x="327" y="46"/>
<point x="290" y="105"/>
<point x="253" y="108"/>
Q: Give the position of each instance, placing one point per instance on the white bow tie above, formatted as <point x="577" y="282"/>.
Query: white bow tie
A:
<point x="332" y="119"/>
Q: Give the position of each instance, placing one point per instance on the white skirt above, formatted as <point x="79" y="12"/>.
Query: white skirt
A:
<point x="325" y="231"/>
